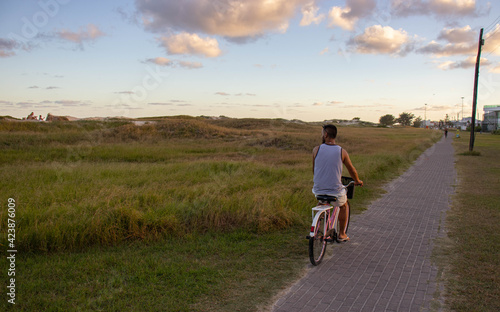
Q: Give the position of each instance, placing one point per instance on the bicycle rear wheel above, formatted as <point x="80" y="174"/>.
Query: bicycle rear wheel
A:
<point x="317" y="243"/>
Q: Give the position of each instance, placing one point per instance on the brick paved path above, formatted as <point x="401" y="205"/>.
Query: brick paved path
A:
<point x="386" y="266"/>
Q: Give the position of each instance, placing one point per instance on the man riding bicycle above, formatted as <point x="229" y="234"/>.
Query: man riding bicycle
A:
<point x="327" y="168"/>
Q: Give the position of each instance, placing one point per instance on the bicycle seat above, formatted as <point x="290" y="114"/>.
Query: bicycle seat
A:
<point x="326" y="198"/>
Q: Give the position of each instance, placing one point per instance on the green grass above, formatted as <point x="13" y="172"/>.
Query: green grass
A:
<point x="180" y="214"/>
<point x="470" y="153"/>
<point x="472" y="252"/>
<point x="208" y="273"/>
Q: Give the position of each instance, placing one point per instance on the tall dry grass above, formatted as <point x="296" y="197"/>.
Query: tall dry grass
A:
<point x="84" y="183"/>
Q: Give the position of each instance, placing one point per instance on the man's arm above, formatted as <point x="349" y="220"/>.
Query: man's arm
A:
<point x="315" y="152"/>
<point x="352" y="171"/>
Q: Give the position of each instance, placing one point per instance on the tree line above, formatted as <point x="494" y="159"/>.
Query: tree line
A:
<point x="405" y="119"/>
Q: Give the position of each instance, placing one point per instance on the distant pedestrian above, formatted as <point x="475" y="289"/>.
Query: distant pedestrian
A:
<point x="445" y="132"/>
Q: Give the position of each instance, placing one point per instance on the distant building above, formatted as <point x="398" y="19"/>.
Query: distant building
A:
<point x="491" y="120"/>
<point x="465" y="122"/>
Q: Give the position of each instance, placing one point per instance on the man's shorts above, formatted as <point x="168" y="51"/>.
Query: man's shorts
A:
<point x="342" y="200"/>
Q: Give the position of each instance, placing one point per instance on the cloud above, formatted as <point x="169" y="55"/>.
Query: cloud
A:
<point x="55" y="104"/>
<point x="457" y="41"/>
<point x="91" y="33"/>
<point x="328" y="103"/>
<point x="237" y="94"/>
<point x="160" y="104"/>
<point x="272" y="66"/>
<point x="171" y="103"/>
<point x="310" y="15"/>
<point x="457" y="35"/>
<point x="324" y="51"/>
<point x="347" y="17"/>
<point x="7" y="47"/>
<point x="467" y="63"/>
<point x="125" y="92"/>
<point x="379" y="39"/>
<point x="47" y="88"/>
<point x="433" y="108"/>
<point x="190" y="65"/>
<point x="337" y="19"/>
<point x="233" y="19"/>
<point x="332" y="103"/>
<point x="453" y="7"/>
<point x="162" y="61"/>
<point x="25" y="104"/>
<point x="185" y="43"/>
<point x="4" y="53"/>
<point x="495" y="69"/>
<point x="436" y="7"/>
<point x="440" y="50"/>
<point x="71" y="103"/>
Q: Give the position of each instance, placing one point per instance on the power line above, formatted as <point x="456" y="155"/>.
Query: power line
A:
<point x="494" y="23"/>
<point x="493" y="50"/>
<point x="491" y="34"/>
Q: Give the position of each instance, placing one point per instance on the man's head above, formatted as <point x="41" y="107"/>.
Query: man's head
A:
<point x="329" y="131"/>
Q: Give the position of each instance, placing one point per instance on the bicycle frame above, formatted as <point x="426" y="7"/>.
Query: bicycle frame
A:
<point x="325" y="228"/>
<point x="331" y="217"/>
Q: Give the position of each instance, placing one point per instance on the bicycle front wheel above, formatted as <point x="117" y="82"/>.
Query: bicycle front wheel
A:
<point x="317" y="243"/>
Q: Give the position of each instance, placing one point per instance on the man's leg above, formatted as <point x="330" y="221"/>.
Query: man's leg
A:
<point x="343" y="214"/>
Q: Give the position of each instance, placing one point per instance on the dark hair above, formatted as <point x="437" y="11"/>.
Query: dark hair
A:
<point x="331" y="131"/>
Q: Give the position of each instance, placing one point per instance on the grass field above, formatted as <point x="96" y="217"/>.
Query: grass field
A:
<point x="472" y="251"/>
<point x="180" y="214"/>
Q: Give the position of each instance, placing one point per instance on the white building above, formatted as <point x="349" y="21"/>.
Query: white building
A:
<point x="491" y="120"/>
<point x="465" y="122"/>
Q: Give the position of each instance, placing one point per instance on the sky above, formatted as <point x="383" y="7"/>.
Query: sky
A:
<point x="311" y="60"/>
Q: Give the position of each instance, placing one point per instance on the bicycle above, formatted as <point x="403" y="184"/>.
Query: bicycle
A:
<point x="326" y="224"/>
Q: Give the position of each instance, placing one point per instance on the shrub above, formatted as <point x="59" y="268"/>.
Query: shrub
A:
<point x="387" y="120"/>
<point x="476" y="129"/>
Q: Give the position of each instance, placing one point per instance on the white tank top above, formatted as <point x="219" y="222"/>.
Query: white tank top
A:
<point x="328" y="171"/>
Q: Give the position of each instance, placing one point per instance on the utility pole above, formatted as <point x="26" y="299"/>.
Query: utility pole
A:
<point x="474" y="96"/>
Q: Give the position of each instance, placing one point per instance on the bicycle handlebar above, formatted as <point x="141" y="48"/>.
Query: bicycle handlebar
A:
<point x="348" y="184"/>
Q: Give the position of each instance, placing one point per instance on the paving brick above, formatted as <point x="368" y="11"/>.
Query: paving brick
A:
<point x="386" y="266"/>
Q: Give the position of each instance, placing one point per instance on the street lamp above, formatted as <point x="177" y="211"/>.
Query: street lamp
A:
<point x="462" y="108"/>
<point x="425" y="117"/>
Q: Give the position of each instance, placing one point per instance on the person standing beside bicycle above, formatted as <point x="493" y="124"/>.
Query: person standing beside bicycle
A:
<point x="328" y="159"/>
